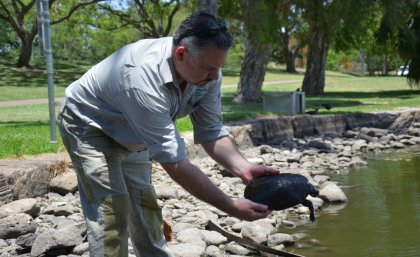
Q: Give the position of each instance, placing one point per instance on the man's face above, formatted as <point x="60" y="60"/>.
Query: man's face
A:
<point x="204" y="68"/>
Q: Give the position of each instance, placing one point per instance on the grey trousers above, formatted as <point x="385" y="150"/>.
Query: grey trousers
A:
<point x="116" y="194"/>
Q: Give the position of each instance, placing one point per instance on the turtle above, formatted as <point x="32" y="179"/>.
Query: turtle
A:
<point x="281" y="191"/>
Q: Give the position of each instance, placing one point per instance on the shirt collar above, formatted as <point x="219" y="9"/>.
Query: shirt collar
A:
<point x="167" y="68"/>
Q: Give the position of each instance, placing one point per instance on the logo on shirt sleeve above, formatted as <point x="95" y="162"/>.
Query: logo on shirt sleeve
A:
<point x="199" y="92"/>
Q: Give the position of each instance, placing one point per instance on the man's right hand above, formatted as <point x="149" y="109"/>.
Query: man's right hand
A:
<point x="248" y="210"/>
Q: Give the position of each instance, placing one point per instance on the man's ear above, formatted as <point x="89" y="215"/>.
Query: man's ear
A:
<point x="180" y="52"/>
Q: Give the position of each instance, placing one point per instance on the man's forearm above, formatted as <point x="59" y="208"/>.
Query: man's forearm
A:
<point x="224" y="152"/>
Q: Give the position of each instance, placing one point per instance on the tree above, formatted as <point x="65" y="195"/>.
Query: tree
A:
<point x="400" y="26"/>
<point x="21" y="17"/>
<point x="328" y="19"/>
<point x="8" y="40"/>
<point x="293" y="27"/>
<point x="259" y="30"/>
<point x="83" y="35"/>
<point x="153" y="18"/>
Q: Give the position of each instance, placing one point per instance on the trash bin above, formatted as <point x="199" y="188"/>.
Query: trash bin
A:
<point x="284" y="102"/>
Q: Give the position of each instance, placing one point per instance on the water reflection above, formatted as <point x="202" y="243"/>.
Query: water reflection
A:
<point x="382" y="217"/>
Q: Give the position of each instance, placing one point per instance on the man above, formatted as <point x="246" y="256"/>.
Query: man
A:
<point x="120" y="115"/>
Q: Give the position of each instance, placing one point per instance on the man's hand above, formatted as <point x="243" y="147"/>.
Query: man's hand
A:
<point x="255" y="171"/>
<point x="248" y="210"/>
<point x="225" y="153"/>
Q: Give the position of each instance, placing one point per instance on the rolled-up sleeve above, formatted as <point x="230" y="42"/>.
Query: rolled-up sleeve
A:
<point x="207" y="118"/>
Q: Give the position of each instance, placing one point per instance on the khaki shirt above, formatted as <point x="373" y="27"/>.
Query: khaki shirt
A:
<point x="134" y="97"/>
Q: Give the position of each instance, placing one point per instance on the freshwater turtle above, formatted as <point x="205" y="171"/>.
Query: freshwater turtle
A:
<point x="281" y="191"/>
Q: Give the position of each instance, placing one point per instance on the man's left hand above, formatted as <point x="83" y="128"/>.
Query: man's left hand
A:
<point x="255" y="171"/>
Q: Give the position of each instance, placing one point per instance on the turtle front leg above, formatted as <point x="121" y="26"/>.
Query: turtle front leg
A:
<point x="309" y="204"/>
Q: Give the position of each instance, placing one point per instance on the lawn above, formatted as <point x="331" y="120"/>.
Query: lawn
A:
<point x="25" y="129"/>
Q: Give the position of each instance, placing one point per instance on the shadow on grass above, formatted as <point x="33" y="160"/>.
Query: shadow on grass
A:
<point x="403" y="94"/>
<point x="23" y="123"/>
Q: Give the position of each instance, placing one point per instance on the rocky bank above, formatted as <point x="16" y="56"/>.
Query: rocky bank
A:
<point x="40" y="212"/>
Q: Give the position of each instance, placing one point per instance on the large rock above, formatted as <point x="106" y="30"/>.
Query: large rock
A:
<point x="275" y="130"/>
<point x="330" y="124"/>
<point x="254" y="232"/>
<point x="330" y="192"/>
<point x="403" y="121"/>
<point x="280" y="238"/>
<point x="358" y="120"/>
<point x="303" y="126"/>
<point x="64" y="183"/>
<point x="26" y="205"/>
<point x="189" y="235"/>
<point x="196" y="249"/>
<point x="6" y="193"/>
<point x="52" y="239"/>
<point x="245" y="135"/>
<point x="31" y="183"/>
<point x="213" y="237"/>
<point x="16" y="225"/>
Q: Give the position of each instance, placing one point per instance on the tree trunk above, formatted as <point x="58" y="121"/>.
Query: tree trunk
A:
<point x="25" y="53"/>
<point x="290" y="60"/>
<point x="208" y="5"/>
<point x="254" y="66"/>
<point x="314" y="81"/>
<point x="288" y="53"/>
<point x="385" y="66"/>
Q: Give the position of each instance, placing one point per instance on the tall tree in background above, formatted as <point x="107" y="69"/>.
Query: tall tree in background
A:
<point x="153" y="18"/>
<point x="293" y="27"/>
<point x="401" y="21"/>
<point x="82" y="36"/>
<point x="327" y="19"/>
<point x="21" y="17"/>
<point x="260" y="23"/>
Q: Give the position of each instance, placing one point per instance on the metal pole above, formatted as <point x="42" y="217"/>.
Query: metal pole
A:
<point x="44" y="33"/>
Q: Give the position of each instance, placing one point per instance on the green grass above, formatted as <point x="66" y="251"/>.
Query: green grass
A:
<point x="26" y="138"/>
<point x="17" y="84"/>
<point x="24" y="130"/>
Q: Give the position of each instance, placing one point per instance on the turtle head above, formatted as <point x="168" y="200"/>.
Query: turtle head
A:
<point x="313" y="191"/>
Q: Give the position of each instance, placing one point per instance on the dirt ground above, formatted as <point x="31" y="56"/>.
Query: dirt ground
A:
<point x="8" y="166"/>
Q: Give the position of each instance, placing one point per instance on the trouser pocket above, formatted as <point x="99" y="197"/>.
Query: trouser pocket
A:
<point x="152" y="213"/>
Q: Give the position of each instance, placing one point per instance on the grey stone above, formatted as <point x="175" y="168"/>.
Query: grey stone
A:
<point x="52" y="239"/>
<point x="81" y="248"/>
<point x="213" y="251"/>
<point x="16" y="225"/>
<point x="189" y="235"/>
<point x="237" y="249"/>
<point x="319" y="145"/>
<point x="254" y="232"/>
<point x="64" y="183"/>
<point x="26" y="205"/>
<point x="26" y="241"/>
<point x="280" y="238"/>
<point x="330" y="192"/>
<point x="213" y="237"/>
<point x="166" y="192"/>
<point x="196" y="249"/>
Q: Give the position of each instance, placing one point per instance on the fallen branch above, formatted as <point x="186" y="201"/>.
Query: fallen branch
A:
<point x="248" y="243"/>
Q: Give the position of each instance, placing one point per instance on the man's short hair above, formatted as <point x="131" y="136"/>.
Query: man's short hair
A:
<point x="202" y="29"/>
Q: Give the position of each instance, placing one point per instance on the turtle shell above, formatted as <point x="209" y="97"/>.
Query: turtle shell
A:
<point x="281" y="191"/>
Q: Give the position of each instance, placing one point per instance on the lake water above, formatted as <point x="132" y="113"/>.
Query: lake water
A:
<point x="382" y="216"/>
